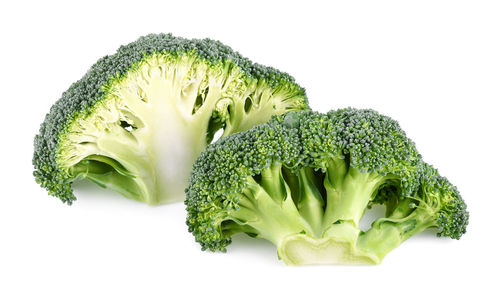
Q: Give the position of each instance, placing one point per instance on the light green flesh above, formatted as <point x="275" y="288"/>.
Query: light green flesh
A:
<point x="143" y="137"/>
<point x="305" y="250"/>
<point x="309" y="226"/>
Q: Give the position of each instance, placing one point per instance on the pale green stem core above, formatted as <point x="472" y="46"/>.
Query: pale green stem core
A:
<point x="348" y="192"/>
<point x="121" y="168"/>
<point x="307" y="232"/>
<point x="274" y="219"/>
<point x="109" y="173"/>
<point x="388" y="233"/>
<point x="273" y="183"/>
<point x="310" y="202"/>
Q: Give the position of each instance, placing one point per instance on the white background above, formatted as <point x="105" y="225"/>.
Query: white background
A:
<point x="432" y="65"/>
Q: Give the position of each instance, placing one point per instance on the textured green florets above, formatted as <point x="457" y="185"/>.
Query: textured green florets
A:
<point x="84" y="94"/>
<point x="368" y="142"/>
<point x="371" y="142"/>
<point x="452" y="217"/>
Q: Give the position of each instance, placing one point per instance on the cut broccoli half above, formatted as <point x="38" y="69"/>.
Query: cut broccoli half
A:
<point x="138" y="119"/>
<point x="304" y="180"/>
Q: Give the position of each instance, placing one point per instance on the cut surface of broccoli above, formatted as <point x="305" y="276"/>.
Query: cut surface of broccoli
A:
<point x="138" y="119"/>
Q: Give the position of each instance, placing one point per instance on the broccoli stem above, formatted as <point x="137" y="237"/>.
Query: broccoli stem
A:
<point x="135" y="161"/>
<point x="343" y="243"/>
<point x="273" y="183"/>
<point x="256" y="107"/>
<point x="273" y="219"/>
<point x="388" y="233"/>
<point x="348" y="192"/>
<point x="310" y="203"/>
<point x="108" y="173"/>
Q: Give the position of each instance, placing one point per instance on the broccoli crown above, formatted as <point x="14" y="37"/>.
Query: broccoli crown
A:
<point x="108" y="78"/>
<point x="304" y="180"/>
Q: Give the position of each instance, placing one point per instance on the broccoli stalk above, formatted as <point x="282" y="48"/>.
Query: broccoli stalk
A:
<point x="304" y="181"/>
<point x="388" y="233"/>
<point x="137" y="120"/>
<point x="437" y="204"/>
<point x="311" y="229"/>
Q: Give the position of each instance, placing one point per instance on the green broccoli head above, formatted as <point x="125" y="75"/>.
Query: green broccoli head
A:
<point x="138" y="119"/>
<point x="304" y="180"/>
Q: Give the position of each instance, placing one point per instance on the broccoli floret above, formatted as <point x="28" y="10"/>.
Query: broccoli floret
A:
<point x="436" y="204"/>
<point x="138" y="119"/>
<point x="304" y="180"/>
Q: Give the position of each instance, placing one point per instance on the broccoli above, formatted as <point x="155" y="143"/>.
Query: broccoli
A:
<point x="138" y="119"/>
<point x="304" y="181"/>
